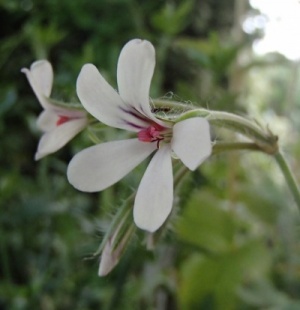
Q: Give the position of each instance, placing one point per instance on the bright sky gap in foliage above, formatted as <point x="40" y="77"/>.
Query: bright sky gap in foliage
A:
<point x="280" y="20"/>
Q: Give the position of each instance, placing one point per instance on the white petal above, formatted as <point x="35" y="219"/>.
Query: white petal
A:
<point x="154" y="198"/>
<point x="100" y="166"/>
<point x="135" y="70"/>
<point x="191" y="141"/>
<point x="58" y="137"/>
<point x="47" y="120"/>
<point x="42" y="73"/>
<point x="103" y="102"/>
<point x="40" y="77"/>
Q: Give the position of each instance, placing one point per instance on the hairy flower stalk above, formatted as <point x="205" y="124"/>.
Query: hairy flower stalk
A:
<point x="288" y="175"/>
<point x="263" y="139"/>
<point x="60" y="122"/>
<point x="100" y="166"/>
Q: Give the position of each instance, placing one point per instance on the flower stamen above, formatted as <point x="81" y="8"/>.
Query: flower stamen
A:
<point x="150" y="134"/>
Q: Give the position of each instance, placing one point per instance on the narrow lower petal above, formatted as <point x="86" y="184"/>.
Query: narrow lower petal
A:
<point x="100" y="166"/>
<point x="103" y="102"/>
<point x="154" y="198"/>
<point x="55" y="139"/>
<point x="40" y="77"/>
<point x="47" y="121"/>
<point x="191" y="141"/>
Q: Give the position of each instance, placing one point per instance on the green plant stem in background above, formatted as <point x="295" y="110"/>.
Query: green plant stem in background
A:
<point x="236" y="146"/>
<point x="179" y="175"/>
<point x="290" y="180"/>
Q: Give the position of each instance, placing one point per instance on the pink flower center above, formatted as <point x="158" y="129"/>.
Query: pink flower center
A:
<point x="62" y="119"/>
<point x="150" y="134"/>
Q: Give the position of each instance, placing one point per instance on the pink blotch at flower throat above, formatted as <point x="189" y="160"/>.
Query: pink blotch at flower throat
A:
<point x="62" y="119"/>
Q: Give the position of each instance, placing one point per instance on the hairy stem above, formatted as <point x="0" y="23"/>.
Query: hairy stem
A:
<point x="290" y="180"/>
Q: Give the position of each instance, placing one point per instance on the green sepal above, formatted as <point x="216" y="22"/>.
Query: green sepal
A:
<point x="66" y="105"/>
<point x="123" y="213"/>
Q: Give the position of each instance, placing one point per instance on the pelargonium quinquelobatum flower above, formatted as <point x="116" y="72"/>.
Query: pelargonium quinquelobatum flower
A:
<point x="102" y="165"/>
<point x="59" y="124"/>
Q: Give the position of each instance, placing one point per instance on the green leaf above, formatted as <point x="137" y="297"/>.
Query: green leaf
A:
<point x="211" y="282"/>
<point x="205" y="225"/>
<point x="211" y="53"/>
<point x="172" y="20"/>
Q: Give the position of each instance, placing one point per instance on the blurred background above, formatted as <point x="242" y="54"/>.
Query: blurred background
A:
<point x="234" y="241"/>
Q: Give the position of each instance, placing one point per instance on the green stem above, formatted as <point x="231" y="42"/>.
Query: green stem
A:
<point x="220" y="147"/>
<point x="66" y="105"/>
<point x="179" y="175"/>
<point x="168" y="105"/>
<point x="290" y="180"/>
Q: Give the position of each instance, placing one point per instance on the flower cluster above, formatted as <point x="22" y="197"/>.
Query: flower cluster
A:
<point x="129" y="108"/>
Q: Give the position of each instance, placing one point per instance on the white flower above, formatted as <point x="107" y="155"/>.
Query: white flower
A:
<point x="100" y="166"/>
<point x="59" y="124"/>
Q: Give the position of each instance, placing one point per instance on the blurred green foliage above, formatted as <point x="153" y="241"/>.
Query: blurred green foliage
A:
<point x="233" y="241"/>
